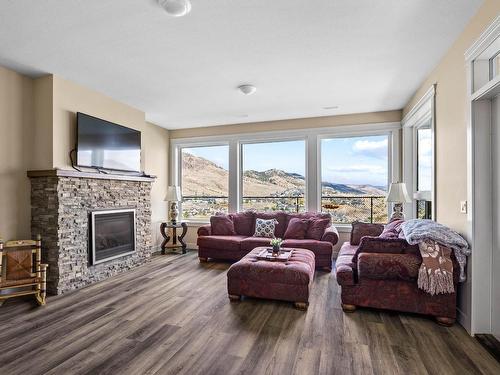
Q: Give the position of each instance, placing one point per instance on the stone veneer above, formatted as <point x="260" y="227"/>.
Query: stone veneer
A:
<point x="60" y="207"/>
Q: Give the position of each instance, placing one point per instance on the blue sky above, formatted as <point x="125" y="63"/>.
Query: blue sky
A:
<point x="355" y="160"/>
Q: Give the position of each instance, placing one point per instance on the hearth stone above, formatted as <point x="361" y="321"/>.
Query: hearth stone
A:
<point x="60" y="207"/>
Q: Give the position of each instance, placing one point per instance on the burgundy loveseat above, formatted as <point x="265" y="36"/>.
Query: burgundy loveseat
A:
<point x="234" y="247"/>
<point x="378" y="270"/>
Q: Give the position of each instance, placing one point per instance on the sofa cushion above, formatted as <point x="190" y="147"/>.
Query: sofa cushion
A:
<point x="280" y="216"/>
<point x="296" y="229"/>
<point x="317" y="227"/>
<point x="251" y="243"/>
<point x="244" y="222"/>
<point x="359" y="230"/>
<point x="222" y="225"/>
<point x="221" y="242"/>
<point x="318" y="247"/>
<point x="265" y="228"/>
<point x="307" y="215"/>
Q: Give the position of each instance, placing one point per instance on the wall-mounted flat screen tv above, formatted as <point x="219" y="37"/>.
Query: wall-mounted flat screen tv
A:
<point x="103" y="144"/>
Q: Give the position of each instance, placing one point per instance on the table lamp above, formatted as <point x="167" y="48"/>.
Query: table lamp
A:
<point x="173" y="196"/>
<point x="398" y="195"/>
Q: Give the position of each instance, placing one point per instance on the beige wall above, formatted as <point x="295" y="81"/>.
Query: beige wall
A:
<point x="70" y="98"/>
<point x="38" y="123"/>
<point x="42" y="157"/>
<point x="451" y="120"/>
<point x="16" y="121"/>
<point x="313" y="122"/>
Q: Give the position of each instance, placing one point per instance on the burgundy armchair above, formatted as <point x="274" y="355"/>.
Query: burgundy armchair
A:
<point x="382" y="273"/>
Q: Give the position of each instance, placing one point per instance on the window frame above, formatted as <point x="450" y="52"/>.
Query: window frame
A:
<point x="312" y="138"/>
<point x="242" y="143"/>
<point x="392" y="158"/>
<point x="422" y="115"/>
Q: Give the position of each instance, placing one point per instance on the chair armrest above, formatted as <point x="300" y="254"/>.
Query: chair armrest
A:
<point x="331" y="235"/>
<point x="205" y="230"/>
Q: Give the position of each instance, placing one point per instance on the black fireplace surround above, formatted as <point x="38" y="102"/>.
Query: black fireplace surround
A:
<point x="112" y="234"/>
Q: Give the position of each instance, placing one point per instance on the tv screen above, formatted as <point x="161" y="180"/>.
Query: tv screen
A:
<point x="103" y="144"/>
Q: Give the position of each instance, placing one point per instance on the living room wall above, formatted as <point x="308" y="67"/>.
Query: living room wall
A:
<point x="451" y="130"/>
<point x="16" y="142"/>
<point x="70" y="97"/>
<point x="37" y="123"/>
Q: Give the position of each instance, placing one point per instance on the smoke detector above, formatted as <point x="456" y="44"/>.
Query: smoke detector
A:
<point x="247" y="89"/>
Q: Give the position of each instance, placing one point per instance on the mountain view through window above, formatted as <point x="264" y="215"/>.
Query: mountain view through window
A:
<point x="354" y="174"/>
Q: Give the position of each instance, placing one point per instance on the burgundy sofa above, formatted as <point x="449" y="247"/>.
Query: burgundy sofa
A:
<point x="375" y="270"/>
<point x="235" y="247"/>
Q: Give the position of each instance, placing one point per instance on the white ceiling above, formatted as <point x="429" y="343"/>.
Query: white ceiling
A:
<point x="302" y="55"/>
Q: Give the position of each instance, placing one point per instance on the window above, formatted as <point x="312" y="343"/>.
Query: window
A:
<point x="424" y="172"/>
<point x="264" y="172"/>
<point x="418" y="157"/>
<point x="355" y="175"/>
<point x="204" y="181"/>
<point x="273" y="176"/>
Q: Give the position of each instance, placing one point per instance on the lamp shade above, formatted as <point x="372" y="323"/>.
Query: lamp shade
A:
<point x="173" y="194"/>
<point x="398" y="193"/>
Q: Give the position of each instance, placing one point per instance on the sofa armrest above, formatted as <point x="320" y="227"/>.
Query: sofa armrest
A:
<point x="205" y="230"/>
<point x="380" y="245"/>
<point x="331" y="235"/>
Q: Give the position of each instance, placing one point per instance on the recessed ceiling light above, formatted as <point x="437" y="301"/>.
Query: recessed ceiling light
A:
<point x="247" y="89"/>
<point x="332" y="107"/>
<point x="176" y="8"/>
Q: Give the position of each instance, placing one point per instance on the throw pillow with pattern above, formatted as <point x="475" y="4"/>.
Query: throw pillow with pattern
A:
<point x="265" y="228"/>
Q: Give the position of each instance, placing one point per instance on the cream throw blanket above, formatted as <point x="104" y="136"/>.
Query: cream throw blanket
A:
<point x="435" y="241"/>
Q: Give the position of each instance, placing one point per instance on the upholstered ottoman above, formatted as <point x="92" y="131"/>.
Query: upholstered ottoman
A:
<point x="286" y="281"/>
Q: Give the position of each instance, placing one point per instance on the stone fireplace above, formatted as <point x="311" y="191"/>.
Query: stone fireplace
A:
<point x="66" y="205"/>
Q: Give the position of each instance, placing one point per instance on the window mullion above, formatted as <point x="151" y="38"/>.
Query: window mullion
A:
<point x="234" y="176"/>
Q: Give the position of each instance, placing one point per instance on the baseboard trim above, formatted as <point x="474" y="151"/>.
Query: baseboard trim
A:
<point x="463" y="320"/>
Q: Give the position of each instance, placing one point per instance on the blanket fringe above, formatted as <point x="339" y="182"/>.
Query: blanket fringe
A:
<point x="439" y="283"/>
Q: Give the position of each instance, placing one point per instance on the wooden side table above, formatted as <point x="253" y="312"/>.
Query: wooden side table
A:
<point x="175" y="237"/>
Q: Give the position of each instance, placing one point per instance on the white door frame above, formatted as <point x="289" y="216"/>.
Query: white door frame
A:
<point x="478" y="288"/>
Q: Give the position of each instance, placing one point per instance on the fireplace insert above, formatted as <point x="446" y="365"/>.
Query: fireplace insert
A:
<point x="112" y="234"/>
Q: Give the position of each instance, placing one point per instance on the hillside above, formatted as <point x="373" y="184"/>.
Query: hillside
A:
<point x="214" y="181"/>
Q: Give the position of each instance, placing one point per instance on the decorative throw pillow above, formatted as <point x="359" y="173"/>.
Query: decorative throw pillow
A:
<point x="296" y="229"/>
<point x="360" y="229"/>
<point x="317" y="228"/>
<point x="265" y="228"/>
<point x="393" y="229"/>
<point x="222" y="225"/>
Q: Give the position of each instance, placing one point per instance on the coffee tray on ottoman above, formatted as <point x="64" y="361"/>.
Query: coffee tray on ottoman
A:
<point x="267" y="254"/>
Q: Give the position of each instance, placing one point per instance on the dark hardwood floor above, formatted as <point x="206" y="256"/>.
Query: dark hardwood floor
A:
<point x="172" y="316"/>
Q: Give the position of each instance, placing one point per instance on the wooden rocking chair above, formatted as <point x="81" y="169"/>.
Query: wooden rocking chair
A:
<point x="21" y="270"/>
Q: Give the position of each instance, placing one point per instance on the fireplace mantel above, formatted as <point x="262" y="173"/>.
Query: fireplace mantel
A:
<point x="99" y="176"/>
